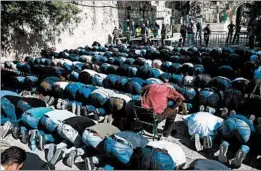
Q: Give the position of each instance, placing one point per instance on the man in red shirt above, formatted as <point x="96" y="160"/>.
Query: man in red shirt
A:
<point x="156" y="96"/>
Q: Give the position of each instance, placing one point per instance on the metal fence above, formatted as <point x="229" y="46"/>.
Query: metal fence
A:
<point x="216" y="39"/>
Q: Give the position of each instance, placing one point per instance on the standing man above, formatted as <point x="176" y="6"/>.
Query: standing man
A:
<point x="163" y="34"/>
<point x="116" y="34"/>
<point x="183" y="32"/>
<point x="198" y="33"/>
<point x="156" y="96"/>
<point x="231" y="28"/>
<point x="128" y="34"/>
<point x="190" y="34"/>
<point x="207" y="32"/>
<point x="144" y="34"/>
<point x="251" y="31"/>
<point x="236" y="36"/>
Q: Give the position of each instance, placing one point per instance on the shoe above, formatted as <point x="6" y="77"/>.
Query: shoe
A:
<point x="50" y="152"/>
<point x="41" y="142"/>
<point x="57" y="156"/>
<point x="237" y="161"/>
<point x="207" y="142"/>
<point x="16" y="132"/>
<point x="232" y="112"/>
<point x="224" y="112"/>
<point x="78" y="110"/>
<point x="84" y="111"/>
<point x="110" y="119"/>
<point x="197" y="143"/>
<point x="201" y="108"/>
<point x="210" y="110"/>
<point x="106" y="118"/>
<point x="70" y="160"/>
<point x="222" y="157"/>
<point x="25" y="137"/>
<point x="74" y="107"/>
<point x="252" y="118"/>
<point x="32" y="139"/>
<point x="259" y="120"/>
<point x="95" y="115"/>
<point x="51" y="101"/>
<point x="6" y="129"/>
<point x="89" y="165"/>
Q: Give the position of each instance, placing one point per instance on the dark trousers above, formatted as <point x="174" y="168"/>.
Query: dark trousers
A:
<point x="229" y="37"/>
<point x="169" y="114"/>
<point x="183" y="39"/>
<point x="206" y="41"/>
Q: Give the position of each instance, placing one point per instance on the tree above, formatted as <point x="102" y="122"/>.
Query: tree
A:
<point x="35" y="19"/>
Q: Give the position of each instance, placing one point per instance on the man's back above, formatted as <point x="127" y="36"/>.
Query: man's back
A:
<point x="155" y="96"/>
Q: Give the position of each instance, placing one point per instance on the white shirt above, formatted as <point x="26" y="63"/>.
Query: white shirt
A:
<point x="89" y="71"/>
<point x="203" y="123"/>
<point x="156" y="62"/>
<point x="106" y="93"/>
<point x="174" y="150"/>
<point x="122" y="96"/>
<point x="188" y="80"/>
<point x="189" y="64"/>
<point x="87" y="58"/>
<point x="62" y="85"/>
<point x="149" y="62"/>
<point x="2" y="168"/>
<point x="57" y="116"/>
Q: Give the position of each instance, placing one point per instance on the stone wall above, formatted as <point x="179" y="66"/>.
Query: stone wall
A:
<point x="98" y="21"/>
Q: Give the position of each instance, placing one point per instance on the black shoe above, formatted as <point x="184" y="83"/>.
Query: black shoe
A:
<point x="70" y="160"/>
<point x="237" y="161"/>
<point x="89" y="165"/>
<point x="95" y="115"/>
<point x="6" y="129"/>
<point x="57" y="156"/>
<point x="16" y="132"/>
<point x="84" y="111"/>
<point x="222" y="157"/>
<point x="25" y="137"/>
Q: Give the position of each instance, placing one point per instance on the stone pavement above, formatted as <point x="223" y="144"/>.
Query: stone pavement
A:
<point x="181" y="137"/>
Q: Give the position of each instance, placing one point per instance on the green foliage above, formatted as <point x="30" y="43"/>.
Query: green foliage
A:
<point x="35" y="18"/>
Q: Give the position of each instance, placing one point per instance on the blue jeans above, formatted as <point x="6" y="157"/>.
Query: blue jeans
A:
<point x="199" y="69"/>
<point x="97" y="100"/>
<point x="236" y="127"/>
<point x="32" y="116"/>
<point x="121" y="83"/>
<point x="100" y="111"/>
<point x="97" y="80"/>
<point x="90" y="139"/>
<point x="191" y="39"/>
<point x="74" y="76"/>
<point x="84" y="93"/>
<point x="8" y="93"/>
<point x="134" y="86"/>
<point x="220" y="83"/>
<point x="118" y="149"/>
<point x="8" y="109"/>
<point x="48" y="124"/>
<point x="71" y="90"/>
<point x="174" y="68"/>
<point x="155" y="159"/>
<point x="208" y="97"/>
<point x="110" y="81"/>
<point x="135" y="139"/>
<point x="176" y="79"/>
<point x="154" y="73"/>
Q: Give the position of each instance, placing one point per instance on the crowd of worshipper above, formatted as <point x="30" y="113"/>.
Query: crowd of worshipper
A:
<point x="80" y="103"/>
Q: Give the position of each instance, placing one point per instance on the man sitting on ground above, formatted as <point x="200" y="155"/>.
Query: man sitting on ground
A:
<point x="156" y="96"/>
